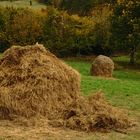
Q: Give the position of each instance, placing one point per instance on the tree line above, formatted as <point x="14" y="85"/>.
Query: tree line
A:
<point x="105" y="27"/>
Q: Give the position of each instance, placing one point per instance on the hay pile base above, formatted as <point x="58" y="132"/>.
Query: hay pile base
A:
<point x="102" y="66"/>
<point x="33" y="82"/>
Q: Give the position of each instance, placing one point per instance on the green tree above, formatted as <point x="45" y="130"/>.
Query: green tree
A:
<point x="81" y="7"/>
<point x="126" y="26"/>
<point x="66" y="34"/>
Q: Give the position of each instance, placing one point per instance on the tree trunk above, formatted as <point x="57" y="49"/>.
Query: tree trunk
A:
<point x="30" y="2"/>
<point x="132" y="55"/>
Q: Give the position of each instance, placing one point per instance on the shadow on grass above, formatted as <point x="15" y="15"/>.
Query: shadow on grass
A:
<point x="123" y="61"/>
<point x="127" y="75"/>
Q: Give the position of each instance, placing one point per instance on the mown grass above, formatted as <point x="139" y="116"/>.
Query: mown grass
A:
<point x="123" y="90"/>
<point x="22" y="4"/>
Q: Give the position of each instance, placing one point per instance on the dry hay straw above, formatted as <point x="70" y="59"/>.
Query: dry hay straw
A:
<point x="102" y="66"/>
<point x="34" y="82"/>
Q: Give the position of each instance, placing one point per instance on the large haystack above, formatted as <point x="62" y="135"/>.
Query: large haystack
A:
<point x="33" y="82"/>
<point x="102" y="66"/>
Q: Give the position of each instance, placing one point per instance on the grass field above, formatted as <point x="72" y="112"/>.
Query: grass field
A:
<point x="122" y="91"/>
<point x="22" y="4"/>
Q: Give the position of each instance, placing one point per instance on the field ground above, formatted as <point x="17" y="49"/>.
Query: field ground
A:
<point x="22" y="4"/>
<point x="122" y="91"/>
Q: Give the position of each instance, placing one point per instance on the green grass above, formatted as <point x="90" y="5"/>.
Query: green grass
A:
<point x="123" y="90"/>
<point x="22" y="4"/>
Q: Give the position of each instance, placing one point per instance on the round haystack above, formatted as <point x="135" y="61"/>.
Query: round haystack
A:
<point x="35" y="83"/>
<point x="102" y="66"/>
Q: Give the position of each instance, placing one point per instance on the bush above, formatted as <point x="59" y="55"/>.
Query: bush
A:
<point x="67" y="35"/>
<point x="61" y="33"/>
<point x="19" y="27"/>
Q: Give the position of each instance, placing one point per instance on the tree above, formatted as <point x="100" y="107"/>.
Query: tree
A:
<point x="126" y="26"/>
<point x="80" y="7"/>
<point x="31" y="3"/>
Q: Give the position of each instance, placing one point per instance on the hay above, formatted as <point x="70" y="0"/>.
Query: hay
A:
<point x="33" y="82"/>
<point x="95" y="114"/>
<point x="102" y="66"/>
